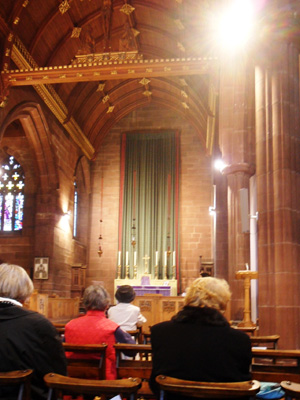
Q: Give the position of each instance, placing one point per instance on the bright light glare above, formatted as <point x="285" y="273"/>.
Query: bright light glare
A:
<point x="219" y="165"/>
<point x="236" y="24"/>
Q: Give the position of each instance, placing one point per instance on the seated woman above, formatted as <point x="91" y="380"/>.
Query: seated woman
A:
<point x="198" y="343"/>
<point x="95" y="328"/>
<point x="28" y="340"/>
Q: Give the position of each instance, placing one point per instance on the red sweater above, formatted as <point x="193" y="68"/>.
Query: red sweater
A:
<point x="94" y="328"/>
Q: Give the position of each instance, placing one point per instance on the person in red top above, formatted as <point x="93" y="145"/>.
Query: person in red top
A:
<point x="95" y="328"/>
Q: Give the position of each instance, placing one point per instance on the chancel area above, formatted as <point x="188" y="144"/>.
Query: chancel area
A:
<point x="113" y="116"/>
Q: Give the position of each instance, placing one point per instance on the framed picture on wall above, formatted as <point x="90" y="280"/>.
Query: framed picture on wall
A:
<point x="41" y="267"/>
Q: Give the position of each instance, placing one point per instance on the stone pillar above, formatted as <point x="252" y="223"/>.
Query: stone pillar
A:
<point x="236" y="129"/>
<point x="278" y="183"/>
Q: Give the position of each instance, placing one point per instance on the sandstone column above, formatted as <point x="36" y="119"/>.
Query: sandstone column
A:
<point x="236" y="129"/>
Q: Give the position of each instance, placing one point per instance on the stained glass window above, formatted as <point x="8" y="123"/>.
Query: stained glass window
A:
<point x="12" y="182"/>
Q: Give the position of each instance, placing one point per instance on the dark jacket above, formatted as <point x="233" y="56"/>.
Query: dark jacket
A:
<point x="29" y="341"/>
<point x="198" y="344"/>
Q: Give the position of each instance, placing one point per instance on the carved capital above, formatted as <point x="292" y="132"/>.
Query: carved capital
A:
<point x="4" y="92"/>
<point x="245" y="168"/>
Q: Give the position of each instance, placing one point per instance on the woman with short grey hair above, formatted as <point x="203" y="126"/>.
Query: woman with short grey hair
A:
<point x="96" y="298"/>
<point x="95" y="328"/>
<point x="28" y="340"/>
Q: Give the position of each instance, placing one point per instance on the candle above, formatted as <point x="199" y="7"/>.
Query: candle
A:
<point x="119" y="258"/>
<point x="174" y="262"/>
<point x="134" y="258"/>
<point x="126" y="257"/>
<point x="165" y="258"/>
<point x="156" y="258"/>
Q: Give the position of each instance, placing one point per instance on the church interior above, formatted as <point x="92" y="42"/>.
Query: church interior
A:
<point x="146" y="141"/>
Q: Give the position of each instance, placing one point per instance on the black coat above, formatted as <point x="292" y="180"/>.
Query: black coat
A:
<point x="29" y="341"/>
<point x="198" y="344"/>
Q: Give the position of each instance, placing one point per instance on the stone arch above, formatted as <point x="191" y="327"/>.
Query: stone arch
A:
<point x="37" y="132"/>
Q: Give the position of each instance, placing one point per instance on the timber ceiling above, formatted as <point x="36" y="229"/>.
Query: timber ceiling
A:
<point x="95" y="61"/>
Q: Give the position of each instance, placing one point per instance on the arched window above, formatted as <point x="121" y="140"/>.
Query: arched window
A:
<point x="12" y="184"/>
<point x="75" y="213"/>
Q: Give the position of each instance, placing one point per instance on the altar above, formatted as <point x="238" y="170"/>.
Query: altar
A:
<point x="164" y="287"/>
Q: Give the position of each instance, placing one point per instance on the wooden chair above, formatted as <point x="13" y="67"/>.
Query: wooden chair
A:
<point x="137" y="334"/>
<point x="216" y="390"/>
<point x="139" y="366"/>
<point x="59" y="385"/>
<point x="250" y="330"/>
<point x="60" y="328"/>
<point x="266" y="341"/>
<point x="276" y="365"/>
<point x="83" y="366"/>
<point x="18" y="378"/>
<point x="292" y="390"/>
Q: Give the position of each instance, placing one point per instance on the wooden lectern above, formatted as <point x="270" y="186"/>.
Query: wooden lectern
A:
<point x="247" y="276"/>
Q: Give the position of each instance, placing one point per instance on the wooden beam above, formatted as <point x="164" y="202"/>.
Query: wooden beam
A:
<point x="110" y="70"/>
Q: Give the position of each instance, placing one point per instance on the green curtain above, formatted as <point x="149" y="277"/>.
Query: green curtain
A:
<point x="150" y="184"/>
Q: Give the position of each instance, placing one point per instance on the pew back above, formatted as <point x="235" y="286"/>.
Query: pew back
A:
<point x="276" y="365"/>
<point x="216" y="390"/>
<point x="86" y="360"/>
<point x="21" y="379"/>
<point x="139" y="366"/>
<point x="59" y="384"/>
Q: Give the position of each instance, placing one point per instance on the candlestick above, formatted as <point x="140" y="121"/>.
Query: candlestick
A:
<point x="126" y="258"/>
<point x="134" y="258"/>
<point x="119" y="272"/>
<point x="127" y="271"/>
<point x="156" y="258"/>
<point x="119" y="258"/>
<point x="174" y="258"/>
<point x="165" y="258"/>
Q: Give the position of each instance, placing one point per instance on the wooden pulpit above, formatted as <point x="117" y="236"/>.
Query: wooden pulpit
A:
<point x="247" y="275"/>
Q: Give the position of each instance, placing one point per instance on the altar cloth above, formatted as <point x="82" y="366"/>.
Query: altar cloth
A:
<point x="150" y="289"/>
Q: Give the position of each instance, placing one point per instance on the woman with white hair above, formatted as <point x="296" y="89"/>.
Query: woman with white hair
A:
<point x="28" y="340"/>
<point x="198" y="343"/>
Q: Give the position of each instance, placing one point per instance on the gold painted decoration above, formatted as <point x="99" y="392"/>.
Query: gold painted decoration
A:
<point x="105" y="99"/>
<point x="183" y="82"/>
<point x="10" y="37"/>
<point x="110" y="109"/>
<point x="100" y="87"/>
<point x="127" y="9"/>
<point x="184" y="94"/>
<point x="25" y="4"/>
<point x="185" y="105"/>
<point x="147" y="93"/>
<point x="76" y="32"/>
<point x="64" y="6"/>
<point x="16" y="21"/>
<point x="135" y="32"/>
<point x="181" y="47"/>
<point x="144" y="81"/>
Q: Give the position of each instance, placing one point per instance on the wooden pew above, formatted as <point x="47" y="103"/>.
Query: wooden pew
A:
<point x="276" y="365"/>
<point x="266" y="341"/>
<point x="216" y="390"/>
<point x="139" y="366"/>
<point x="82" y="366"/>
<point x="292" y="390"/>
<point x="21" y="379"/>
<point x="65" y="385"/>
